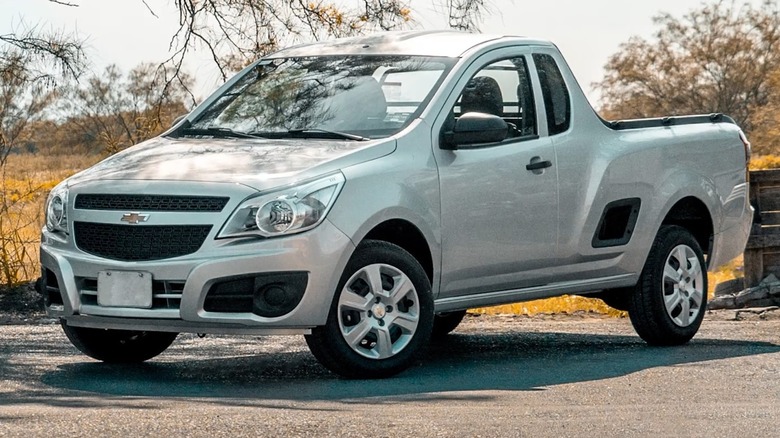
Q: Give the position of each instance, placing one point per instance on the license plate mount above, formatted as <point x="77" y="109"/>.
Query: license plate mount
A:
<point x="125" y="289"/>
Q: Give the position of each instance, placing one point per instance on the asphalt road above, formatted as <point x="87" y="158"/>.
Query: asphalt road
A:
<point x="495" y="376"/>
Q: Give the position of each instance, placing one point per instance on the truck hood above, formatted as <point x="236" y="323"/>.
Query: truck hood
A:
<point x="257" y="163"/>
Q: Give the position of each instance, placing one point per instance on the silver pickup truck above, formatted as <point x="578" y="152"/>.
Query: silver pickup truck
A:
<point x="364" y="192"/>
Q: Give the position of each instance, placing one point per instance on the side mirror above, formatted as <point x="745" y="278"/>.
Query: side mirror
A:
<point x="473" y="129"/>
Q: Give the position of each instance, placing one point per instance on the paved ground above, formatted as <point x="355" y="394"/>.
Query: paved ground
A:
<point x="496" y="376"/>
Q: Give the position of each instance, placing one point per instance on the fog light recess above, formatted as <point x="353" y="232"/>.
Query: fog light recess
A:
<point x="268" y="295"/>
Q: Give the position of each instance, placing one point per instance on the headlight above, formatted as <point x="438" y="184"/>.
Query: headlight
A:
<point x="287" y="211"/>
<point x="57" y="209"/>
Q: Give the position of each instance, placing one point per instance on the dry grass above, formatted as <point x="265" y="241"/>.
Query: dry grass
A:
<point x="567" y="304"/>
<point x="762" y="162"/>
<point x="24" y="184"/>
<point x="47" y="168"/>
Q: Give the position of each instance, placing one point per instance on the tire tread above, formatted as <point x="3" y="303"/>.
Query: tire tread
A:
<point x="646" y="309"/>
<point x="326" y="342"/>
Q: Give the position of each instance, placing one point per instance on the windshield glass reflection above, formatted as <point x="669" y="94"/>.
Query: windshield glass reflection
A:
<point x="351" y="97"/>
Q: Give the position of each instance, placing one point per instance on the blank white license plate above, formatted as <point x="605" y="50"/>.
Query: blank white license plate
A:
<point x="125" y="289"/>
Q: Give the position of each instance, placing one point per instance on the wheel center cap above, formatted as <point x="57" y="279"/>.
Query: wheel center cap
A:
<point x="379" y="311"/>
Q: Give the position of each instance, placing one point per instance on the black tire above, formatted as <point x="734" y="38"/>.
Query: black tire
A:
<point x="118" y="346"/>
<point x="445" y="323"/>
<point x="383" y="343"/>
<point x="668" y="305"/>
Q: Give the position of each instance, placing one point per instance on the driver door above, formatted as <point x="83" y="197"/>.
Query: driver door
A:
<point x="499" y="201"/>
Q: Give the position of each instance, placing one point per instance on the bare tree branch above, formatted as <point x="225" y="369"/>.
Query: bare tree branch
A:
<point x="32" y="64"/>
<point x="149" y="8"/>
<point x="60" y="2"/>
<point x="466" y="14"/>
<point x="236" y="32"/>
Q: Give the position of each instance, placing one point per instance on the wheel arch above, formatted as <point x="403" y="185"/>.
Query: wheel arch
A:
<point x="692" y="214"/>
<point x="408" y="236"/>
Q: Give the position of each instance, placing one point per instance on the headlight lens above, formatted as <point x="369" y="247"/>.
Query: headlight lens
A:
<point x="289" y="211"/>
<point x="57" y="209"/>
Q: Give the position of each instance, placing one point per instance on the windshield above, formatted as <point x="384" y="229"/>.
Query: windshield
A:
<point x="355" y="97"/>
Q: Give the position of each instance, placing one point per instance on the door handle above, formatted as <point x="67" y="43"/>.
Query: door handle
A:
<point x="538" y="165"/>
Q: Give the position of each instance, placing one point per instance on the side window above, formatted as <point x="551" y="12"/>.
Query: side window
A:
<point x="503" y="89"/>
<point x="556" y="96"/>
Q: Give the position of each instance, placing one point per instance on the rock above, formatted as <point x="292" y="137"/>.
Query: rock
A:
<point x="722" y="302"/>
<point x="760" y="311"/>
<point x="748" y="296"/>
<point x="770" y="279"/>
<point x="730" y="287"/>
<point x="766" y="294"/>
<point x="766" y="302"/>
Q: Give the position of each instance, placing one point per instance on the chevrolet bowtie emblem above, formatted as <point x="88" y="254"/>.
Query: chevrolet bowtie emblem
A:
<point x="134" y="218"/>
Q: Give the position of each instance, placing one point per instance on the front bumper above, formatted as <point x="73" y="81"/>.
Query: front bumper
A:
<point x="321" y="252"/>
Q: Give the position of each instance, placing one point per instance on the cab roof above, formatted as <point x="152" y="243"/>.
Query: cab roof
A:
<point x="447" y="43"/>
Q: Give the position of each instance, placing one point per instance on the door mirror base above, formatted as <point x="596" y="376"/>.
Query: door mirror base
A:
<point x="474" y="130"/>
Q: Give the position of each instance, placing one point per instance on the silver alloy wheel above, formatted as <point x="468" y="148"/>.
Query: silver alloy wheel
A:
<point x="683" y="285"/>
<point x="378" y="311"/>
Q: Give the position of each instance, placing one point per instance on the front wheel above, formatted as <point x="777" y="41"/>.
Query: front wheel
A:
<point x="118" y="346"/>
<point x="670" y="298"/>
<point x="381" y="315"/>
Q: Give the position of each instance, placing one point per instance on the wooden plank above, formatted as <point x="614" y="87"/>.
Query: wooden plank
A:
<point x="753" y="189"/>
<point x="770" y="264"/>
<point x="768" y="198"/>
<point x="765" y="176"/>
<point x="763" y="241"/>
<point x="762" y="252"/>
<point x="770" y="218"/>
<point x="754" y="267"/>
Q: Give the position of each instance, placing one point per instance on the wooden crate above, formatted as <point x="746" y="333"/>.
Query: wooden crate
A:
<point x="762" y="253"/>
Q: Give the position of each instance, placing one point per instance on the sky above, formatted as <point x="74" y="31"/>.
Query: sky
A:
<point x="126" y="33"/>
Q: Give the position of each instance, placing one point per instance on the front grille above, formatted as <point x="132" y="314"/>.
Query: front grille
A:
<point x="150" y="202"/>
<point x="139" y="243"/>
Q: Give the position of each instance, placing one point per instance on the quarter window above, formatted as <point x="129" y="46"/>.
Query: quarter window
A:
<point x="556" y="96"/>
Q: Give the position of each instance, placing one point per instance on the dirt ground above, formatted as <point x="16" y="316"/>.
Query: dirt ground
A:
<point x="21" y="303"/>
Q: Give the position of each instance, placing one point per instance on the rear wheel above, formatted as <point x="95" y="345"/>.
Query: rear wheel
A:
<point x="670" y="298"/>
<point x="444" y="323"/>
<point x="118" y="346"/>
<point x="381" y="315"/>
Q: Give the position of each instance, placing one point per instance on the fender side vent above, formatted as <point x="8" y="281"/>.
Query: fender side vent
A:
<point x="617" y="223"/>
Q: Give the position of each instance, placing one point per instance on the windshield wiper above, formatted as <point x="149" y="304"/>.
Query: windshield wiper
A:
<point x="324" y="133"/>
<point x="223" y="132"/>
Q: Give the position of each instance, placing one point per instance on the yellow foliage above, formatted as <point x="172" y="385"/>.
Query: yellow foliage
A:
<point x="567" y="304"/>
<point x="25" y="181"/>
<point x="762" y="162"/>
